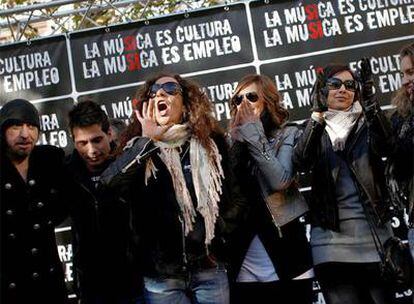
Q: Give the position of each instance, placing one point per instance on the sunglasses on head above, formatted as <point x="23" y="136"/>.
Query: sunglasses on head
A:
<point x="336" y="84"/>
<point x="251" y="96"/>
<point x="171" y="88"/>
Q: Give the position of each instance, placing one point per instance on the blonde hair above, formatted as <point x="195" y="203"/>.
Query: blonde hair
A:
<point x="401" y="99"/>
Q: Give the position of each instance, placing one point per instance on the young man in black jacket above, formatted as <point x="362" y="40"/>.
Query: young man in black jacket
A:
<point x="101" y="235"/>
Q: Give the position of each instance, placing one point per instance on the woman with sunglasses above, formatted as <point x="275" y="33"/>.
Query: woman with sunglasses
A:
<point x="271" y="257"/>
<point x="174" y="170"/>
<point x="342" y="146"/>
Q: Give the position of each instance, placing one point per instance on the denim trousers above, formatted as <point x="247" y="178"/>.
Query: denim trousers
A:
<point x="411" y="240"/>
<point x="209" y="286"/>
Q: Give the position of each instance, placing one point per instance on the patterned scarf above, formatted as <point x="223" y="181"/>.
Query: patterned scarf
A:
<point x="206" y="171"/>
<point x="340" y="123"/>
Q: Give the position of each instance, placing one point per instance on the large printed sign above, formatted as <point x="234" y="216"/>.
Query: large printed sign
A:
<point x="286" y="28"/>
<point x="130" y="53"/>
<point x="294" y="78"/>
<point x="35" y="70"/>
<point x="285" y="40"/>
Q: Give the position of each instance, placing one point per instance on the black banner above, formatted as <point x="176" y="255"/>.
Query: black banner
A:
<point x="116" y="103"/>
<point x="54" y="123"/>
<point x="294" y="78"/>
<point x="182" y="44"/>
<point x="286" y="28"/>
<point x="34" y="70"/>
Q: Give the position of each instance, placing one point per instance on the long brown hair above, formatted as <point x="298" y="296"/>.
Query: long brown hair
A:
<point x="268" y="92"/>
<point x="401" y="99"/>
<point x="198" y="109"/>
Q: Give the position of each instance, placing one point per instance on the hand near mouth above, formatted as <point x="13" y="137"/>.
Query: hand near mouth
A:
<point x="150" y="128"/>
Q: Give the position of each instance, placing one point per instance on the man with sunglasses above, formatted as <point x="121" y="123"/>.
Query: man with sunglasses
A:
<point x="343" y="144"/>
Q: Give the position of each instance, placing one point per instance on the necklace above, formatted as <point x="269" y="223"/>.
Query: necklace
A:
<point x="185" y="152"/>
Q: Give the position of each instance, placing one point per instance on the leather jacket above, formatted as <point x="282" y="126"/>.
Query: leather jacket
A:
<point x="271" y="167"/>
<point x="101" y="238"/>
<point x="263" y="167"/>
<point x="369" y="141"/>
<point x="156" y="216"/>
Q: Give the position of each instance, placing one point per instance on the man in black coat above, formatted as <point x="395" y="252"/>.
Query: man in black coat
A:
<point x="32" y="200"/>
<point x="100" y="227"/>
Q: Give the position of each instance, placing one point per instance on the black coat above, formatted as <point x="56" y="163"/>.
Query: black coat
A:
<point x="101" y="239"/>
<point x="156" y="213"/>
<point x="369" y="141"/>
<point x="31" y="271"/>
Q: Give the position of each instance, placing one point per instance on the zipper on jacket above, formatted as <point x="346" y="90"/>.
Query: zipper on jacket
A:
<point x="279" y="229"/>
<point x="183" y="243"/>
<point x="95" y="205"/>
<point x="264" y="152"/>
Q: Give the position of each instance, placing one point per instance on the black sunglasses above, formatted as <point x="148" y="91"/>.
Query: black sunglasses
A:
<point x="251" y="96"/>
<point x="171" y="88"/>
<point x="336" y="84"/>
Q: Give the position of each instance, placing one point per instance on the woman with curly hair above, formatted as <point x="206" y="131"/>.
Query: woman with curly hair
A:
<point x="271" y="257"/>
<point x="172" y="169"/>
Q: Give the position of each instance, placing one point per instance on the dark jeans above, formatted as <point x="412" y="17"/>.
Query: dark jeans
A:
<point x="352" y="283"/>
<point x="281" y="292"/>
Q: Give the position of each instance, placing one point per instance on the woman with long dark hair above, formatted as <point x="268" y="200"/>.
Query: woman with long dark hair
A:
<point x="173" y="168"/>
<point x="343" y="145"/>
<point x="271" y="259"/>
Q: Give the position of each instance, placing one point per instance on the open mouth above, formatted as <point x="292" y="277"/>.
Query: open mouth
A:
<point x="162" y="108"/>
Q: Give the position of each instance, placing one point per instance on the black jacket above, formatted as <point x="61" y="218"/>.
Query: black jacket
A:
<point x="156" y="216"/>
<point x="31" y="271"/>
<point x="101" y="239"/>
<point x="369" y="141"/>
<point x="401" y="163"/>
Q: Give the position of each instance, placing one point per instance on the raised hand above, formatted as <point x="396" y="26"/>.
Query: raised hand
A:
<point x="245" y="114"/>
<point x="319" y="94"/>
<point x="366" y="79"/>
<point x="149" y="125"/>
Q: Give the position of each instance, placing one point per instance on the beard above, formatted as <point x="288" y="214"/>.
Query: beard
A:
<point x="17" y="153"/>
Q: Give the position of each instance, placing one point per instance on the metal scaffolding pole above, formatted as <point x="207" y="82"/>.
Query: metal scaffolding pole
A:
<point x="20" y="19"/>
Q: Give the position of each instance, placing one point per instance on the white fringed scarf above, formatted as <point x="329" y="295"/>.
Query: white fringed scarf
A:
<point x="206" y="171"/>
<point x="340" y="123"/>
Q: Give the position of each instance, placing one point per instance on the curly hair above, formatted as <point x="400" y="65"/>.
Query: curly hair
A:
<point x="268" y="92"/>
<point x="197" y="106"/>
<point x="401" y="99"/>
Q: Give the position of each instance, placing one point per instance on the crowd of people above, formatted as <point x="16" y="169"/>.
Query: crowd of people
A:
<point x="173" y="209"/>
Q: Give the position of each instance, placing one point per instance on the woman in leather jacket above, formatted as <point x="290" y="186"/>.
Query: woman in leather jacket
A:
<point x="342" y="146"/>
<point x="271" y="258"/>
<point x="173" y="169"/>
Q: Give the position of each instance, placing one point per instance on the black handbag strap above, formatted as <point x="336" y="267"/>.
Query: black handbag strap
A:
<point x="377" y="240"/>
